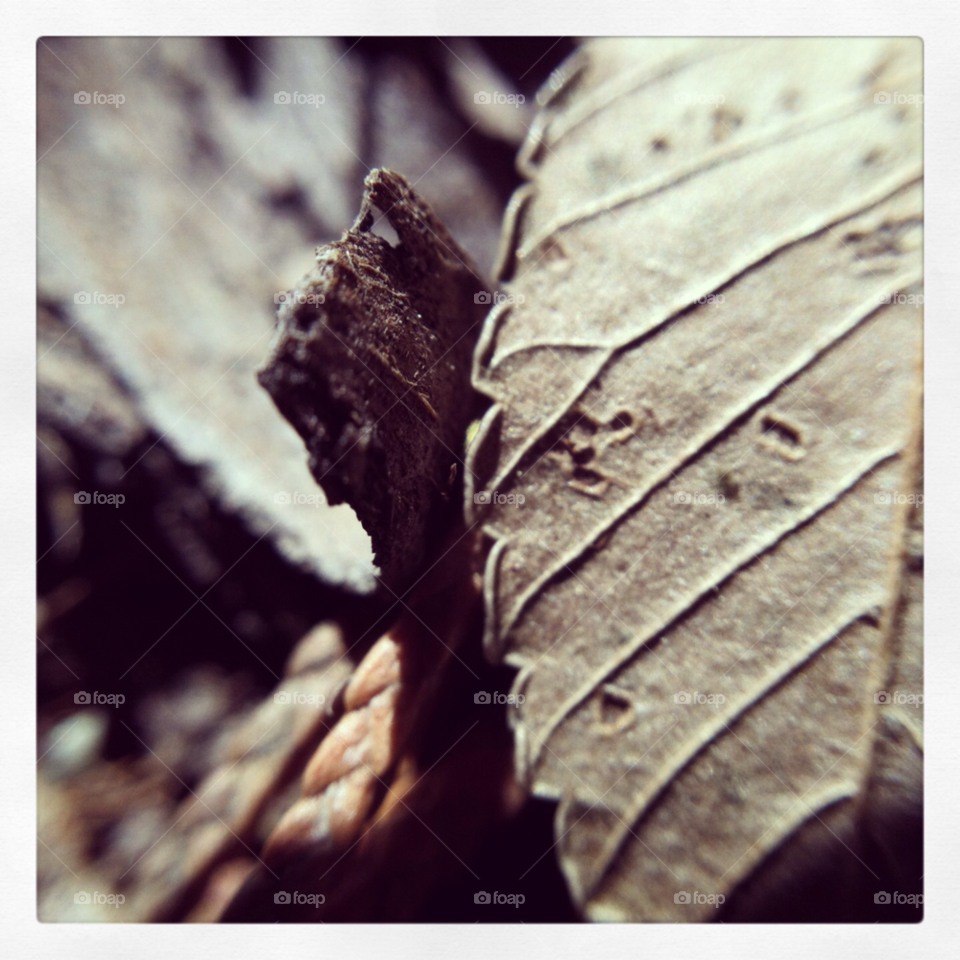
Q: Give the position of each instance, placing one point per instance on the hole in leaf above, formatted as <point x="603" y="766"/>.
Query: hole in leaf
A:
<point x="552" y="250"/>
<point x="582" y="454"/>
<point x="616" y="710"/>
<point x="729" y="485"/>
<point x="782" y="431"/>
<point x="587" y="476"/>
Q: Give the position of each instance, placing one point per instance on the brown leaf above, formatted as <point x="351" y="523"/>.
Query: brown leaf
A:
<point x="175" y="208"/>
<point x="700" y="472"/>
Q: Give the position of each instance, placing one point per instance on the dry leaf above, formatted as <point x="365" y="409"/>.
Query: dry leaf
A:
<point x="169" y="224"/>
<point x="700" y="474"/>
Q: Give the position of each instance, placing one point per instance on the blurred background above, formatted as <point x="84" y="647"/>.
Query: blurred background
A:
<point x="183" y="183"/>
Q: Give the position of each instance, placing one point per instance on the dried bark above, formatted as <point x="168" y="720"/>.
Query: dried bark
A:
<point x="371" y="365"/>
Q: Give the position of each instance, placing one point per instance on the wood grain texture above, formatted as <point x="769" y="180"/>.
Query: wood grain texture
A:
<point x="371" y="365"/>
